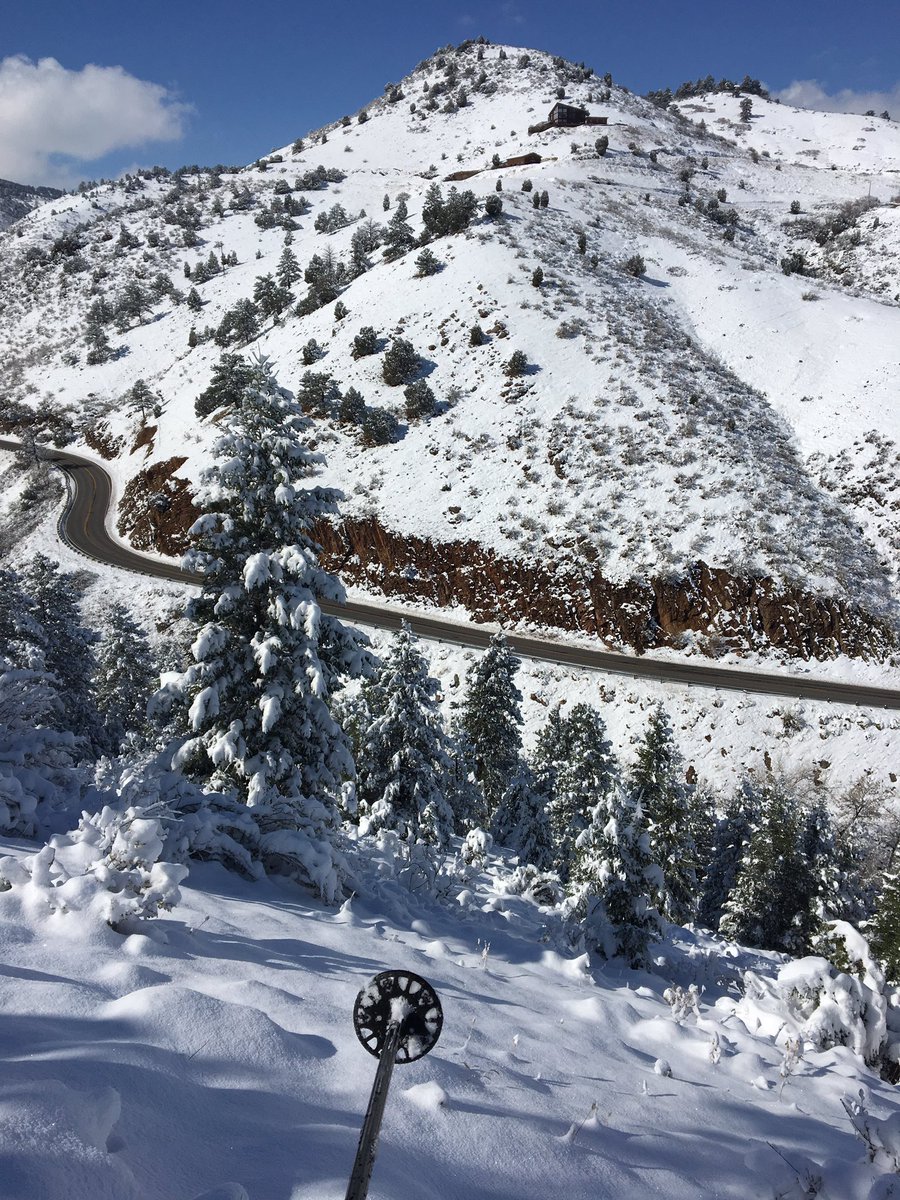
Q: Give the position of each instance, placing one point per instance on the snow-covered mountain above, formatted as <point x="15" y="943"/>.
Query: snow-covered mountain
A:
<point x="19" y="199"/>
<point x="704" y="453"/>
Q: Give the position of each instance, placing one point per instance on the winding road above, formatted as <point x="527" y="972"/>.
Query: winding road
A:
<point x="82" y="526"/>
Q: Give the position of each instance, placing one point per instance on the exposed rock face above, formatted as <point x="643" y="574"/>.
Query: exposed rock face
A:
<point x="99" y="438"/>
<point x="730" y="611"/>
<point x="157" y="509"/>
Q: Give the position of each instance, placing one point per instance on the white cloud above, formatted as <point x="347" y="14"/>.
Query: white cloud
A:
<point x="809" y="93"/>
<point x="53" y="119"/>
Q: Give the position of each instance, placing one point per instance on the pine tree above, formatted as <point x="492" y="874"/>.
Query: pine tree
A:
<point x="614" y="880"/>
<point x="829" y="886"/>
<point x="133" y="303"/>
<point x="657" y="783"/>
<point x="521" y="822"/>
<point x="230" y="379"/>
<point x="399" y="236"/>
<point x="767" y="899"/>
<point x="433" y="211"/>
<point x="265" y="656"/>
<point x="240" y="324"/>
<point x="364" y="343"/>
<point x="352" y="407"/>
<point x="402" y="759"/>
<point x="582" y="778"/>
<point x="98" y="347"/>
<point x="883" y="931"/>
<point x="125" y="676"/>
<point x="288" y="270"/>
<point x="427" y="263"/>
<point x="551" y="751"/>
<point x="68" y="647"/>
<point x="325" y="275"/>
<point x="492" y="719"/>
<point x="463" y="792"/>
<point x="22" y="638"/>
<point x="271" y="298"/>
<point x="400" y="364"/>
<point x="37" y="772"/>
<point x="731" y="837"/>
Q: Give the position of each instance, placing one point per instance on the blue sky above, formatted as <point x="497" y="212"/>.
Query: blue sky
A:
<point x="234" y="78"/>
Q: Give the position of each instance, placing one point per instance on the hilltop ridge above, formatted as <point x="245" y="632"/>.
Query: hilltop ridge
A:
<point x="684" y="460"/>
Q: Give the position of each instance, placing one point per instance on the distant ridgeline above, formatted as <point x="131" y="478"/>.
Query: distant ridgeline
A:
<point x="18" y="199"/>
<point x="703" y="87"/>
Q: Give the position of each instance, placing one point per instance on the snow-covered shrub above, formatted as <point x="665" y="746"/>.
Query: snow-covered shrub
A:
<point x="817" y="1001"/>
<point x="108" y="867"/>
<point x="543" y="887"/>
<point x="390" y="859"/>
<point x="209" y="826"/>
<point x="476" y="847"/>
<point x="683" y="1002"/>
<point x="881" y="1137"/>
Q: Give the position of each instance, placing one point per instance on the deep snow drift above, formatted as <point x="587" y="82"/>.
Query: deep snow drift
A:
<point x="212" y="1053"/>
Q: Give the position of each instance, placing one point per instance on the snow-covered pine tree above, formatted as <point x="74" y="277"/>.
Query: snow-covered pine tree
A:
<point x="732" y="836"/>
<point x="614" y="881"/>
<point x="402" y="760"/>
<point x="492" y="719"/>
<point x="125" y="678"/>
<point x="521" y="822"/>
<point x="883" y="930"/>
<point x="266" y="657"/>
<point x="658" y="787"/>
<point x="551" y="752"/>
<point x="37" y="772"/>
<point x="770" y="893"/>
<point x="586" y="774"/>
<point x="463" y="792"/>
<point x="829" y="888"/>
<point x="288" y="271"/>
<point x="22" y="639"/>
<point x="68" y="648"/>
<point x="398" y="236"/>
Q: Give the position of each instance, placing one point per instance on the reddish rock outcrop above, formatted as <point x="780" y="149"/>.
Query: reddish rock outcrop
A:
<point x="726" y="611"/>
<point x="157" y="509"/>
<point x="731" y="612"/>
<point x="99" y="438"/>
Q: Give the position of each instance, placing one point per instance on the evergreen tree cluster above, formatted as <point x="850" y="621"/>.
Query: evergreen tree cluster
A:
<point x="707" y="86"/>
<point x="67" y="693"/>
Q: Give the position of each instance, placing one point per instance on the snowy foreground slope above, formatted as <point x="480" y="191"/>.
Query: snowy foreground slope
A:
<point x="714" y="411"/>
<point x="212" y="1054"/>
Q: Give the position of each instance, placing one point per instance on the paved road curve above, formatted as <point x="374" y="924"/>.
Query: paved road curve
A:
<point x="82" y="526"/>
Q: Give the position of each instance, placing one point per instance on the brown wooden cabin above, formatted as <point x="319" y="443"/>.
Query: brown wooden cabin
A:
<point x="567" y="116"/>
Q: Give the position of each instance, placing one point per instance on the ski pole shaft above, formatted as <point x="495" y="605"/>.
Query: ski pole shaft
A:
<point x="358" y="1187"/>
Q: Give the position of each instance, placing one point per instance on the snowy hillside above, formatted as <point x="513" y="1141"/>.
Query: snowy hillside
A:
<point x="211" y="1053"/>
<point x="710" y="446"/>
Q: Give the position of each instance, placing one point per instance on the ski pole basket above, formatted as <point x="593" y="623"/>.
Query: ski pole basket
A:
<point x="398" y="1018"/>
